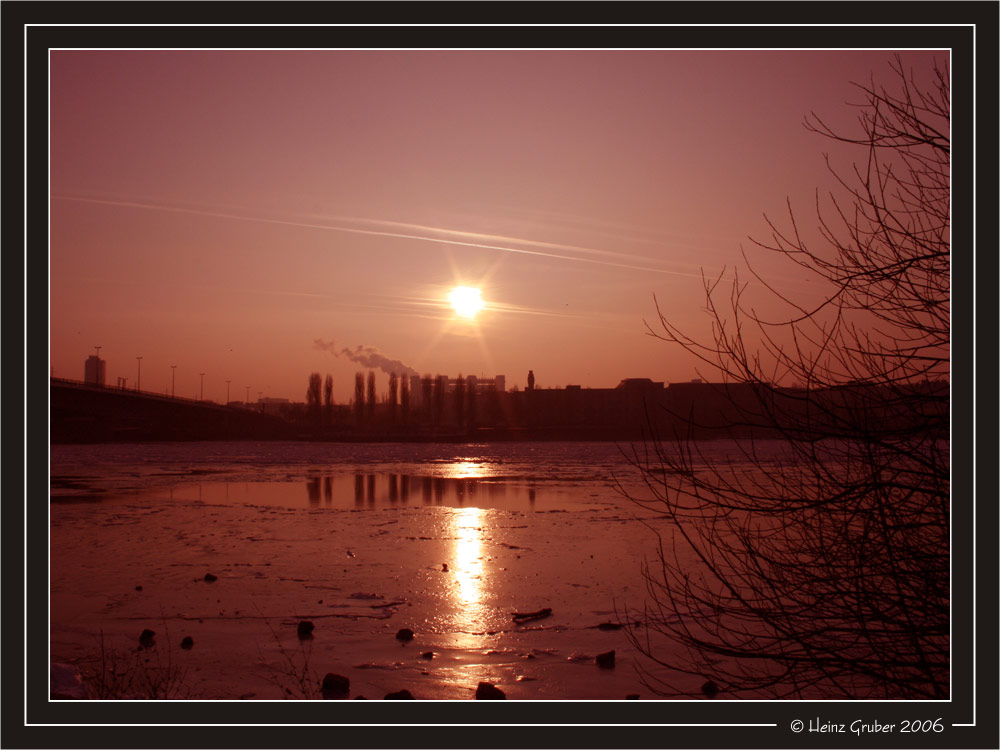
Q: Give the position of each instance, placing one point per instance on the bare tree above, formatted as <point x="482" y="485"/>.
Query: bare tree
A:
<point x="440" y="389"/>
<point x="328" y="400"/>
<point x="425" y="396"/>
<point x="460" y="402"/>
<point x="313" y="397"/>
<point x="817" y="565"/>
<point x="470" y="399"/>
<point x="404" y="399"/>
<point x="370" y="402"/>
<point x="359" y="397"/>
<point x="393" y="391"/>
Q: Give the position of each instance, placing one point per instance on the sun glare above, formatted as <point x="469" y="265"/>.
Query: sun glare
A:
<point x="466" y="300"/>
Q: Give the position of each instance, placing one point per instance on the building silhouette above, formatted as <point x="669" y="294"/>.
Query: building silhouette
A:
<point x="475" y="408"/>
<point x="93" y="370"/>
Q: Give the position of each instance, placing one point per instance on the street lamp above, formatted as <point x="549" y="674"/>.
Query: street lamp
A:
<point x="201" y="393"/>
<point x="173" y="380"/>
<point x="138" y="373"/>
<point x="227" y="392"/>
<point x="248" y="395"/>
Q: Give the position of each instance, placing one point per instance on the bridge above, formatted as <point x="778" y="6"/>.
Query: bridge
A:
<point x="89" y="413"/>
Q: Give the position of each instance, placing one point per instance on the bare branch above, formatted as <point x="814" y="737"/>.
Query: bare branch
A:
<point x="809" y="559"/>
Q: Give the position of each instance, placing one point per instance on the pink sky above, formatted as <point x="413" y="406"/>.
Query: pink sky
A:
<point x="221" y="211"/>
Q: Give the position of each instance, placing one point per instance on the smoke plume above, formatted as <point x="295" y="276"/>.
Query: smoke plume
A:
<point x="368" y="356"/>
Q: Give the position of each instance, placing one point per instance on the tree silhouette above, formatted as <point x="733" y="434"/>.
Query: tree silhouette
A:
<point x="470" y="411"/>
<point x="817" y="566"/>
<point x="313" y="398"/>
<point x="404" y="400"/>
<point x="359" y="398"/>
<point x="328" y="400"/>
<point x="370" y="402"/>
<point x="393" y="389"/>
<point x="460" y="401"/>
<point x="440" y="388"/>
<point x="425" y="393"/>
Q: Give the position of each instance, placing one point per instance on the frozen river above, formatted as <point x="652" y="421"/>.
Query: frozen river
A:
<point x="361" y="540"/>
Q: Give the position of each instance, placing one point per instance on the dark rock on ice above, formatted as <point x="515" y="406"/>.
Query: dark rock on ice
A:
<point x="404" y="634"/>
<point x="401" y="695"/>
<point x="335" y="685"/>
<point x="147" y="638"/>
<point x="528" y="616"/>
<point x="487" y="692"/>
<point x="209" y="578"/>
<point x="305" y="629"/>
<point x="187" y="643"/>
<point x="606" y="661"/>
<point x="428" y="655"/>
<point x="710" y="689"/>
<point x="632" y="697"/>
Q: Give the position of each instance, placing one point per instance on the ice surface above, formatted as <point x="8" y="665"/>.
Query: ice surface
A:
<point x="362" y="540"/>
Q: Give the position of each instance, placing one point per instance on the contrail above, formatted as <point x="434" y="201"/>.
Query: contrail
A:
<point x="407" y="235"/>
<point x="479" y="236"/>
<point x="368" y="356"/>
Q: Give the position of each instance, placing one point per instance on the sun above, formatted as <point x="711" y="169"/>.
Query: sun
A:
<point x="466" y="300"/>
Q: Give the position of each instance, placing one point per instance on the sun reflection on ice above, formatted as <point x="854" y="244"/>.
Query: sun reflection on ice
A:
<point x="466" y="470"/>
<point x="468" y="563"/>
<point x="467" y="588"/>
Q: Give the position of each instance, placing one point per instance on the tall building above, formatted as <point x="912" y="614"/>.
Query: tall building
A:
<point x="482" y="385"/>
<point x="93" y="370"/>
<point x="475" y="384"/>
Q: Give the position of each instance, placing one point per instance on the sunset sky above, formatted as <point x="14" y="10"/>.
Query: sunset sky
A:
<point x="249" y="214"/>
